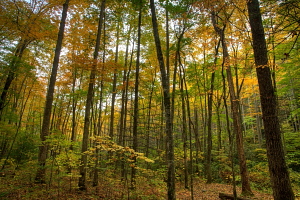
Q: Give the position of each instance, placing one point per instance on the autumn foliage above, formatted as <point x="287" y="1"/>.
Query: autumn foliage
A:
<point x="140" y="109"/>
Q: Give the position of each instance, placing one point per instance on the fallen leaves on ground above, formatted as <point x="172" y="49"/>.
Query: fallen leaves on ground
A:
<point x="203" y="191"/>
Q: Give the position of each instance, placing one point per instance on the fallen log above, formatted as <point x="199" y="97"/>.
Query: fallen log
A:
<point x="224" y="196"/>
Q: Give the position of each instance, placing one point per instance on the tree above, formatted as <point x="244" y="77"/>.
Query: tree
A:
<point x="114" y="84"/>
<point x="89" y="99"/>
<point x="237" y="123"/>
<point x="209" y="123"/>
<point x="281" y="184"/>
<point x="22" y="45"/>
<point x="21" y="23"/>
<point x="167" y="107"/>
<point x="136" y="93"/>
<point x="43" y="149"/>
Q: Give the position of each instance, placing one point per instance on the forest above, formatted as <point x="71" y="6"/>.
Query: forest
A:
<point x="150" y="99"/>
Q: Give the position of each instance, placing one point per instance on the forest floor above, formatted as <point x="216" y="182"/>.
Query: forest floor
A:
<point x="14" y="188"/>
<point x="203" y="191"/>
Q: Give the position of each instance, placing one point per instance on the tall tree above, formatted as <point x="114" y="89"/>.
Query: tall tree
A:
<point x="124" y="91"/>
<point x="136" y="93"/>
<point x="281" y="184"/>
<point x="209" y="120"/>
<point x="43" y="149"/>
<point x="114" y="87"/>
<point x="184" y="125"/>
<point x="167" y="107"/>
<point x="237" y="123"/>
<point x="22" y="22"/>
<point x="88" y="106"/>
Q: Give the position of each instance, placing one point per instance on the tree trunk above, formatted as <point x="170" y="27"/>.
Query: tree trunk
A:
<point x="258" y="122"/>
<point x="125" y="80"/>
<point x="43" y="149"/>
<point x="218" y="112"/>
<point x="183" y="107"/>
<point x="197" y="138"/>
<point x="149" y="115"/>
<point x="136" y="97"/>
<point x="230" y="136"/>
<point x="74" y="106"/>
<point x="167" y="40"/>
<point x="89" y="99"/>
<point x="22" y="45"/>
<point x="114" y="89"/>
<point x="191" y="125"/>
<point x="184" y="129"/>
<point x="237" y="124"/>
<point x="209" y="131"/>
<point x="209" y="121"/>
<point x="167" y="107"/>
<point x="277" y="165"/>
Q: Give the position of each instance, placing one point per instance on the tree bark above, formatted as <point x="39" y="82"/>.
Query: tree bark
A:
<point x="184" y="129"/>
<point x="149" y="115"/>
<point x="43" y="149"/>
<point x="124" y="91"/>
<point x="136" y="97"/>
<point x="237" y="123"/>
<point x="74" y="106"/>
<point x="197" y="138"/>
<point x="114" y="89"/>
<point x="191" y="126"/>
<point x="209" y="121"/>
<point x="282" y="189"/>
<point x="89" y="99"/>
<point x="230" y="136"/>
<point x="167" y="107"/>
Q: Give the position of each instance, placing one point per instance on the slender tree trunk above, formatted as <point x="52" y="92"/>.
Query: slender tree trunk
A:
<point x="149" y="115"/>
<point x="177" y="57"/>
<point x="22" y="45"/>
<point x="167" y="40"/>
<point x="167" y="107"/>
<point x="184" y="121"/>
<point x="184" y="129"/>
<point x="125" y="79"/>
<point x="197" y="138"/>
<point x="74" y="105"/>
<point x="218" y="105"/>
<point x="203" y="106"/>
<point x="126" y="97"/>
<point x="98" y="133"/>
<point x="258" y="121"/>
<point x="100" y="120"/>
<point x="237" y="124"/>
<point x="114" y="89"/>
<point x="43" y="149"/>
<point x="209" y="131"/>
<point x="282" y="189"/>
<point x="89" y="99"/>
<point x="209" y="121"/>
<point x="123" y="102"/>
<point x="174" y="81"/>
<point x="230" y="137"/>
<point x="191" y="126"/>
<point x="136" y="97"/>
